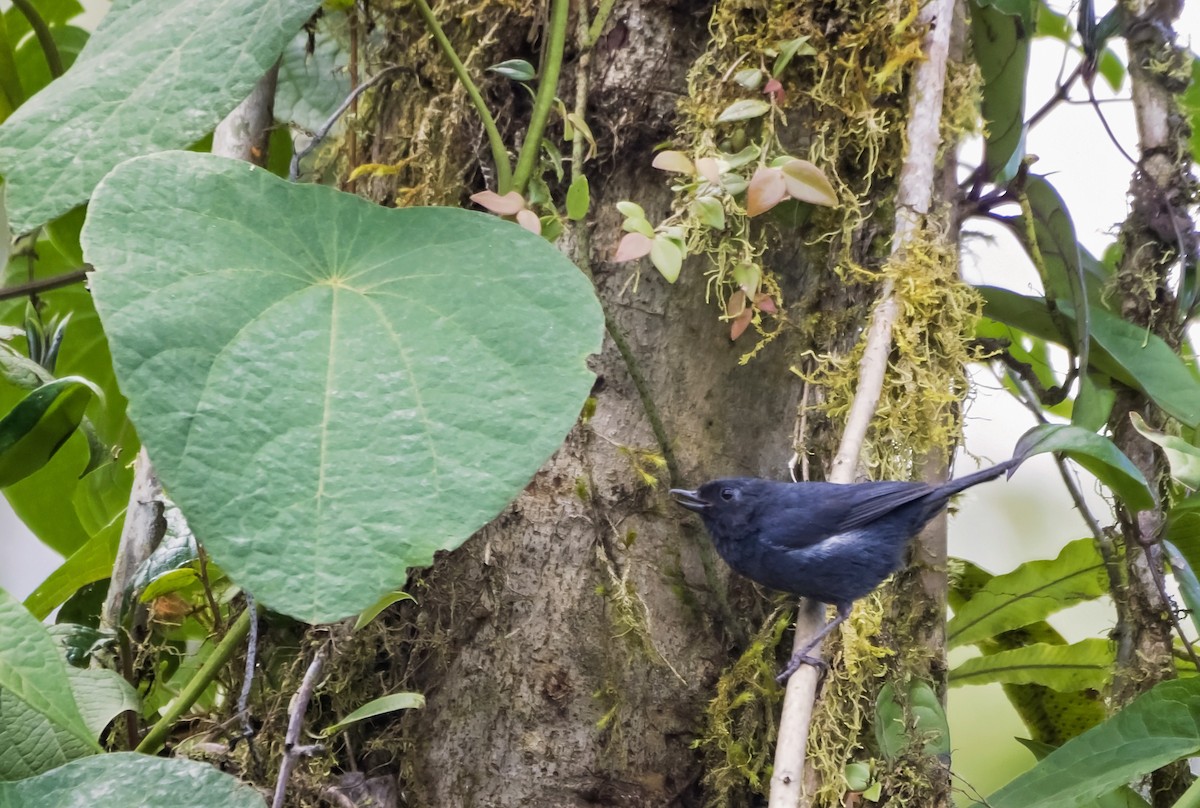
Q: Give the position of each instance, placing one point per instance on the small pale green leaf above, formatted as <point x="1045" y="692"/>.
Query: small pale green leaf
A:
<point x="515" y="69"/>
<point x="1030" y="593"/>
<point x="379" y="706"/>
<point x="122" y="779"/>
<point x="744" y="110"/>
<point x="578" y="198"/>
<point x="1085" y="665"/>
<point x="709" y="212"/>
<point x="1183" y="457"/>
<point x="1097" y="454"/>
<point x="751" y="78"/>
<point x="39" y="425"/>
<point x="806" y="182"/>
<point x="377" y="608"/>
<point x="636" y="224"/>
<point x="673" y="161"/>
<point x="32" y="669"/>
<point x="1157" y="728"/>
<point x="437" y="351"/>
<point x="666" y="256"/>
<point x="148" y="69"/>
<point x="630" y="210"/>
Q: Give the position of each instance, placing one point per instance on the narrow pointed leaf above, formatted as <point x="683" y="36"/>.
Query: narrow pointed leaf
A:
<point x="147" y="68"/>
<point x="1030" y="593"/>
<point x="332" y="391"/>
<point x="379" y="706"/>
<point x="1085" y="665"/>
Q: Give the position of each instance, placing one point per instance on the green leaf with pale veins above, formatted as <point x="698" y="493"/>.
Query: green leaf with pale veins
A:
<point x="1085" y="665"/>
<point x="157" y="74"/>
<point x="1157" y="728"/>
<point x="1029" y="594"/>
<point x="32" y="670"/>
<point x="332" y="391"/>
<point x="122" y="779"/>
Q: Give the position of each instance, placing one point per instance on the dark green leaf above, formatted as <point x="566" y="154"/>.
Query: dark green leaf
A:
<point x="1120" y="349"/>
<point x="434" y="351"/>
<point x="1094" y="402"/>
<point x="1000" y="33"/>
<point x="1097" y="454"/>
<point x="1157" y="728"/>
<point x="39" y="425"/>
<point x="53" y="12"/>
<point x="1185" y="577"/>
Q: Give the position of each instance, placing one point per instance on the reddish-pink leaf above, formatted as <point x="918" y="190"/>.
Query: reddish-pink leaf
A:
<point x="632" y="246"/>
<point x="508" y="205"/>
<point x="709" y="169"/>
<point x="764" y="302"/>
<point x="774" y="89"/>
<point x="675" y="161"/>
<point x="737" y="303"/>
<point x="740" y="323"/>
<point x="530" y="221"/>
<point x="765" y="191"/>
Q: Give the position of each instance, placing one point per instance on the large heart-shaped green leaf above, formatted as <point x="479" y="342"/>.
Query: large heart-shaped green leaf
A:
<point x="331" y="390"/>
<point x="157" y="74"/>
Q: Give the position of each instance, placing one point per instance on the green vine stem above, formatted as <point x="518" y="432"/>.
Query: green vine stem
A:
<point x="45" y="39"/>
<point x="504" y="180"/>
<point x="196" y="686"/>
<point x="597" y="27"/>
<point x="543" y="102"/>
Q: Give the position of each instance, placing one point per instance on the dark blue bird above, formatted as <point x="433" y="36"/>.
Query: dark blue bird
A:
<point x="833" y="543"/>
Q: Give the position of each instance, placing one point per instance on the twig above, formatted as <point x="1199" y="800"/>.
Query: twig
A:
<point x="243" y="702"/>
<point x="499" y="153"/>
<point x="293" y="749"/>
<point x="45" y="284"/>
<point x="913" y="199"/>
<point x="143" y="529"/>
<point x="196" y="686"/>
<point x="44" y="37"/>
<point x="323" y="131"/>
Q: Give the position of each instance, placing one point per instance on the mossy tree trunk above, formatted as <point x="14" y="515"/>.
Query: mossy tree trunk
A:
<point x="570" y="652"/>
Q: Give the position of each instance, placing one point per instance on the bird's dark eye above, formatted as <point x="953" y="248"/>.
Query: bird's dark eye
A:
<point x="727" y="494"/>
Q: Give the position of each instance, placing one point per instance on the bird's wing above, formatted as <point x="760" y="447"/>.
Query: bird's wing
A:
<point x="876" y="500"/>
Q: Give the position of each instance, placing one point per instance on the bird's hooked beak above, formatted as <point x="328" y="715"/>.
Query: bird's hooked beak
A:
<point x="689" y="499"/>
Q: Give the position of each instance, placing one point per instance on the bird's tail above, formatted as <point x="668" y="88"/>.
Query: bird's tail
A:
<point x="952" y="487"/>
